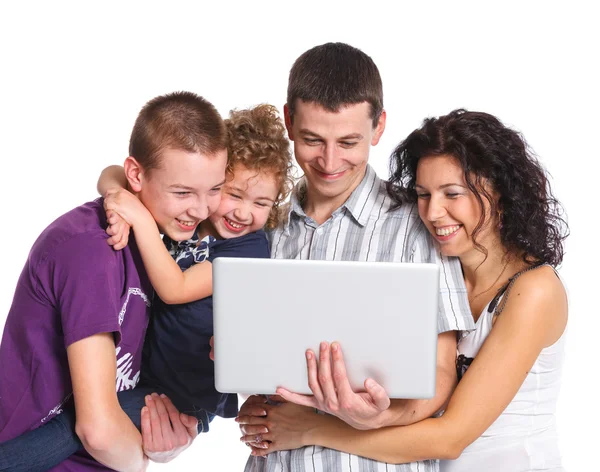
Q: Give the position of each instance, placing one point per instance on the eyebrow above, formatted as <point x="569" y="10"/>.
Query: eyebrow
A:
<point x="305" y="132"/>
<point x="445" y="186"/>
<point x="237" y="189"/>
<point x="181" y="187"/>
<point x="192" y="189"/>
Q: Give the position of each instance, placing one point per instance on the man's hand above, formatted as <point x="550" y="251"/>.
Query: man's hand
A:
<point x="165" y="431"/>
<point x="333" y="394"/>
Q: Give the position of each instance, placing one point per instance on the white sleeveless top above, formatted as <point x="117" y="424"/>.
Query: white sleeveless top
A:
<point x="523" y="437"/>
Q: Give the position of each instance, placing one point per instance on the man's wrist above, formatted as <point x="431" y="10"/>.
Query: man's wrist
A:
<point x="392" y="416"/>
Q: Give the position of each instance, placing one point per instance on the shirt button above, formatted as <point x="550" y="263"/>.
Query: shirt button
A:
<point x="319" y="231"/>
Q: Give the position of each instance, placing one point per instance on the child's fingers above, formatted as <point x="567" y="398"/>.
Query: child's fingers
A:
<point x="114" y="240"/>
<point x="113" y="219"/>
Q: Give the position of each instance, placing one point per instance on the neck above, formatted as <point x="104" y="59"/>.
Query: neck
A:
<point x="321" y="210"/>
<point x="485" y="275"/>
<point x="479" y="269"/>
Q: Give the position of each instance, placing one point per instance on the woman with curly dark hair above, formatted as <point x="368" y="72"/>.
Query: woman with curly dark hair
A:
<point x="484" y="198"/>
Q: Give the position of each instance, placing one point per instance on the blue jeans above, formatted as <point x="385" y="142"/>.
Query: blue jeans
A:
<point x="48" y="445"/>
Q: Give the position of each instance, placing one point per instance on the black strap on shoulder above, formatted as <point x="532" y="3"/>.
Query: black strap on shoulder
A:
<point x="505" y="290"/>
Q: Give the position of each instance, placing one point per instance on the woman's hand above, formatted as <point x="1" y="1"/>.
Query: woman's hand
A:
<point x="288" y="426"/>
<point x="251" y="418"/>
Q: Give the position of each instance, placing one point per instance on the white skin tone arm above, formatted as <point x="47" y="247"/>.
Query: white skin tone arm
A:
<point x="171" y="284"/>
<point x="111" y="178"/>
<point x="534" y="317"/>
<point x="106" y="432"/>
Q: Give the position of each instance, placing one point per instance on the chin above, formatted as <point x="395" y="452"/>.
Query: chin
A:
<point x="449" y="251"/>
<point x="179" y="235"/>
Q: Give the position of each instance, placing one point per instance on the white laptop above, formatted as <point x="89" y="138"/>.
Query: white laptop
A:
<point x="268" y="312"/>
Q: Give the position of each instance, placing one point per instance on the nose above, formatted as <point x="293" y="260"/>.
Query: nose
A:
<point x="242" y="213"/>
<point x="435" y="209"/>
<point x="199" y="210"/>
<point x="329" y="159"/>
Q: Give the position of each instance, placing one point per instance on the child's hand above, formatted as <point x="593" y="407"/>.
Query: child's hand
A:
<point x="128" y="207"/>
<point x="118" y="230"/>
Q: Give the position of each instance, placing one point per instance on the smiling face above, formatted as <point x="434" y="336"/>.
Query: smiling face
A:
<point x="332" y="148"/>
<point x="449" y="209"/>
<point x="246" y="202"/>
<point x="184" y="190"/>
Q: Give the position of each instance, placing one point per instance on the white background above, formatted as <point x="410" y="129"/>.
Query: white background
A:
<point x="73" y="77"/>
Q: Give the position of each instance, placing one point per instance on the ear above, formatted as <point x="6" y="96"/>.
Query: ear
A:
<point x="134" y="173"/>
<point x="379" y="129"/>
<point x="288" y="121"/>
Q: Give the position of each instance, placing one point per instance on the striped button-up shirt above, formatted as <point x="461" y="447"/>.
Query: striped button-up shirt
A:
<point x="365" y="228"/>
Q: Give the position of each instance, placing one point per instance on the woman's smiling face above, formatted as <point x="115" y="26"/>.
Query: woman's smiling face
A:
<point x="449" y="209"/>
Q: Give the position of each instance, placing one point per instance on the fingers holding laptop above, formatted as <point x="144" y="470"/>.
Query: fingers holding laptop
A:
<point x="333" y="394"/>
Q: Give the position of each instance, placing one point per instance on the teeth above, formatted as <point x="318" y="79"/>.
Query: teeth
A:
<point x="235" y="225"/>
<point x="447" y="230"/>
<point x="186" y="223"/>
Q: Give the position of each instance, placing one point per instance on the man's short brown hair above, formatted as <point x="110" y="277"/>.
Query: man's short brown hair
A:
<point x="179" y="120"/>
<point x="335" y="75"/>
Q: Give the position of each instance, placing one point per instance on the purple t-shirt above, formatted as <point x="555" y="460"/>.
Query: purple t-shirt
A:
<point x="73" y="285"/>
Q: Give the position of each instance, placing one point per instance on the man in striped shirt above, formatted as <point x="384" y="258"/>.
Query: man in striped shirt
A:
<point x="340" y="210"/>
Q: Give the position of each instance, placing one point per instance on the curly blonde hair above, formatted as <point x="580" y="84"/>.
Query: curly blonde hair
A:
<point x="258" y="141"/>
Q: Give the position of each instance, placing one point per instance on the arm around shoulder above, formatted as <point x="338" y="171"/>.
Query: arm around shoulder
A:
<point x="112" y="177"/>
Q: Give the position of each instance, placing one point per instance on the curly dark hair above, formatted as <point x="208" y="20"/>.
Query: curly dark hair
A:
<point x="531" y="222"/>
<point x="258" y="141"/>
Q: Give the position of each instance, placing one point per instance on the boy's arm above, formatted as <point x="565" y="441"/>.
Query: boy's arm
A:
<point x="106" y="432"/>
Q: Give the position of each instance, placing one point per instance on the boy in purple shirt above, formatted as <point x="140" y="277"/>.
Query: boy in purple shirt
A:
<point x="80" y="310"/>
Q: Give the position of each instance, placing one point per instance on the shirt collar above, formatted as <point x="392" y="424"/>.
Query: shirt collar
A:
<point x="359" y="204"/>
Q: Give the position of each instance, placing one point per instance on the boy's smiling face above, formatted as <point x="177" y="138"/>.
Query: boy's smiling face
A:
<point x="183" y="191"/>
